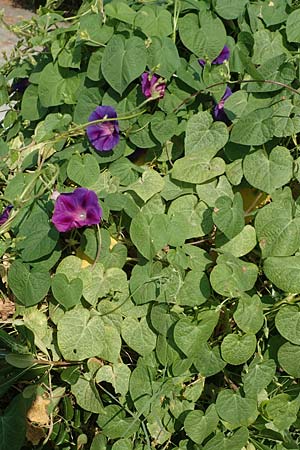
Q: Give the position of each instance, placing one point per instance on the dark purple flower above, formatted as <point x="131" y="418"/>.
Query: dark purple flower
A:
<point x="153" y="85"/>
<point x="223" y="56"/>
<point x="5" y="215"/>
<point x="76" y="209"/>
<point x="104" y="136"/>
<point x="20" y="85"/>
<point x="218" y="112"/>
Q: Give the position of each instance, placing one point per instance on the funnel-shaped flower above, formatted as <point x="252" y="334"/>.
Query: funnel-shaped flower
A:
<point x="153" y="85"/>
<point x="20" y="85"/>
<point x="5" y="215"/>
<point x="76" y="209"/>
<point x="223" y="56"/>
<point x="104" y="136"/>
<point x="218" y="112"/>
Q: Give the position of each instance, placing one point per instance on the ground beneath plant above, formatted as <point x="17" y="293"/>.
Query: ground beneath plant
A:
<point x="12" y="15"/>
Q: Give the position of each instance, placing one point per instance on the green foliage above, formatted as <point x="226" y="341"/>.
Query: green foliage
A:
<point x="175" y="323"/>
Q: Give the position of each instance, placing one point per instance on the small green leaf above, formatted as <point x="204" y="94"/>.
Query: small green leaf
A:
<point x="154" y="21"/>
<point x="195" y="289"/>
<point x="228" y="215"/>
<point x="230" y="9"/>
<point x="13" y="424"/>
<point x="282" y="410"/>
<point x="284" y="272"/>
<point x="29" y="286"/>
<point x="123" y="61"/>
<point x="238" y="349"/>
<point x="255" y="128"/>
<point x="292" y="28"/>
<point x="163" y="55"/>
<point x="87" y="396"/>
<point x="268" y="172"/>
<point x="208" y="361"/>
<point x="114" y="423"/>
<point x="236" y="442"/>
<point x="31" y="108"/>
<point x="235" y="410"/>
<point x="138" y="335"/>
<point x="38" y="237"/>
<point x="204" y="39"/>
<point x="189" y="336"/>
<point x="163" y="127"/>
<point x="81" y="336"/>
<point x="232" y="276"/>
<point x="241" y="244"/>
<point x="192" y="169"/>
<point x="148" y="185"/>
<point x="198" y="425"/>
<point x="149" y="236"/>
<point x="141" y="389"/>
<point x="277" y="231"/>
<point x="117" y="374"/>
<point x="258" y="376"/>
<point x="249" y="315"/>
<point x="67" y="293"/>
<point x="287" y="322"/>
<point x="188" y="218"/>
<point x="204" y="136"/>
<point x="20" y="361"/>
<point x="289" y="359"/>
<point x="83" y="170"/>
<point x="121" y="11"/>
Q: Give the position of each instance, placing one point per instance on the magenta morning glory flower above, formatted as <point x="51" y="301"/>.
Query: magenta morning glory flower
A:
<point x="5" y="215"/>
<point x="153" y="85"/>
<point x="104" y="136"/>
<point x="76" y="209"/>
<point x="223" y="56"/>
<point x="218" y="111"/>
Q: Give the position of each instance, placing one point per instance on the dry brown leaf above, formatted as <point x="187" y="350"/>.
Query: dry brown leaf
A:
<point x="7" y="308"/>
<point x="38" y="413"/>
<point x="34" y="434"/>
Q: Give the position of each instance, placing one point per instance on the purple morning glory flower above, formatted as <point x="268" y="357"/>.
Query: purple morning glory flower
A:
<point x="5" y="215"/>
<point x="104" y="136"/>
<point x="218" y="111"/>
<point x="223" y="56"/>
<point x="20" y="85"/>
<point x="76" y="209"/>
<point x="153" y="85"/>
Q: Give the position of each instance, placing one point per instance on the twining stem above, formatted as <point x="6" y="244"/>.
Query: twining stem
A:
<point x="175" y="19"/>
<point x="255" y="201"/>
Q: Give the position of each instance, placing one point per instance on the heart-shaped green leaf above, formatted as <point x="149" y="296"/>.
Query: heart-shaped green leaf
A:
<point x="192" y="169"/>
<point x="237" y="411"/>
<point x="81" y="336"/>
<point x="268" y="172"/>
<point x="232" y="276"/>
<point x="287" y="322"/>
<point x="204" y="136"/>
<point x="189" y="336"/>
<point x="67" y="293"/>
<point x="123" y="60"/>
<point x="238" y="349"/>
<point x="29" y="286"/>
<point x="284" y="272"/>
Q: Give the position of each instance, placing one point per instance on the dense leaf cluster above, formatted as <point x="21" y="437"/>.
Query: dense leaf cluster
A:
<point x="175" y="325"/>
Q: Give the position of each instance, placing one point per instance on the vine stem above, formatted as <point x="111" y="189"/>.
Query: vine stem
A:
<point x="277" y="83"/>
